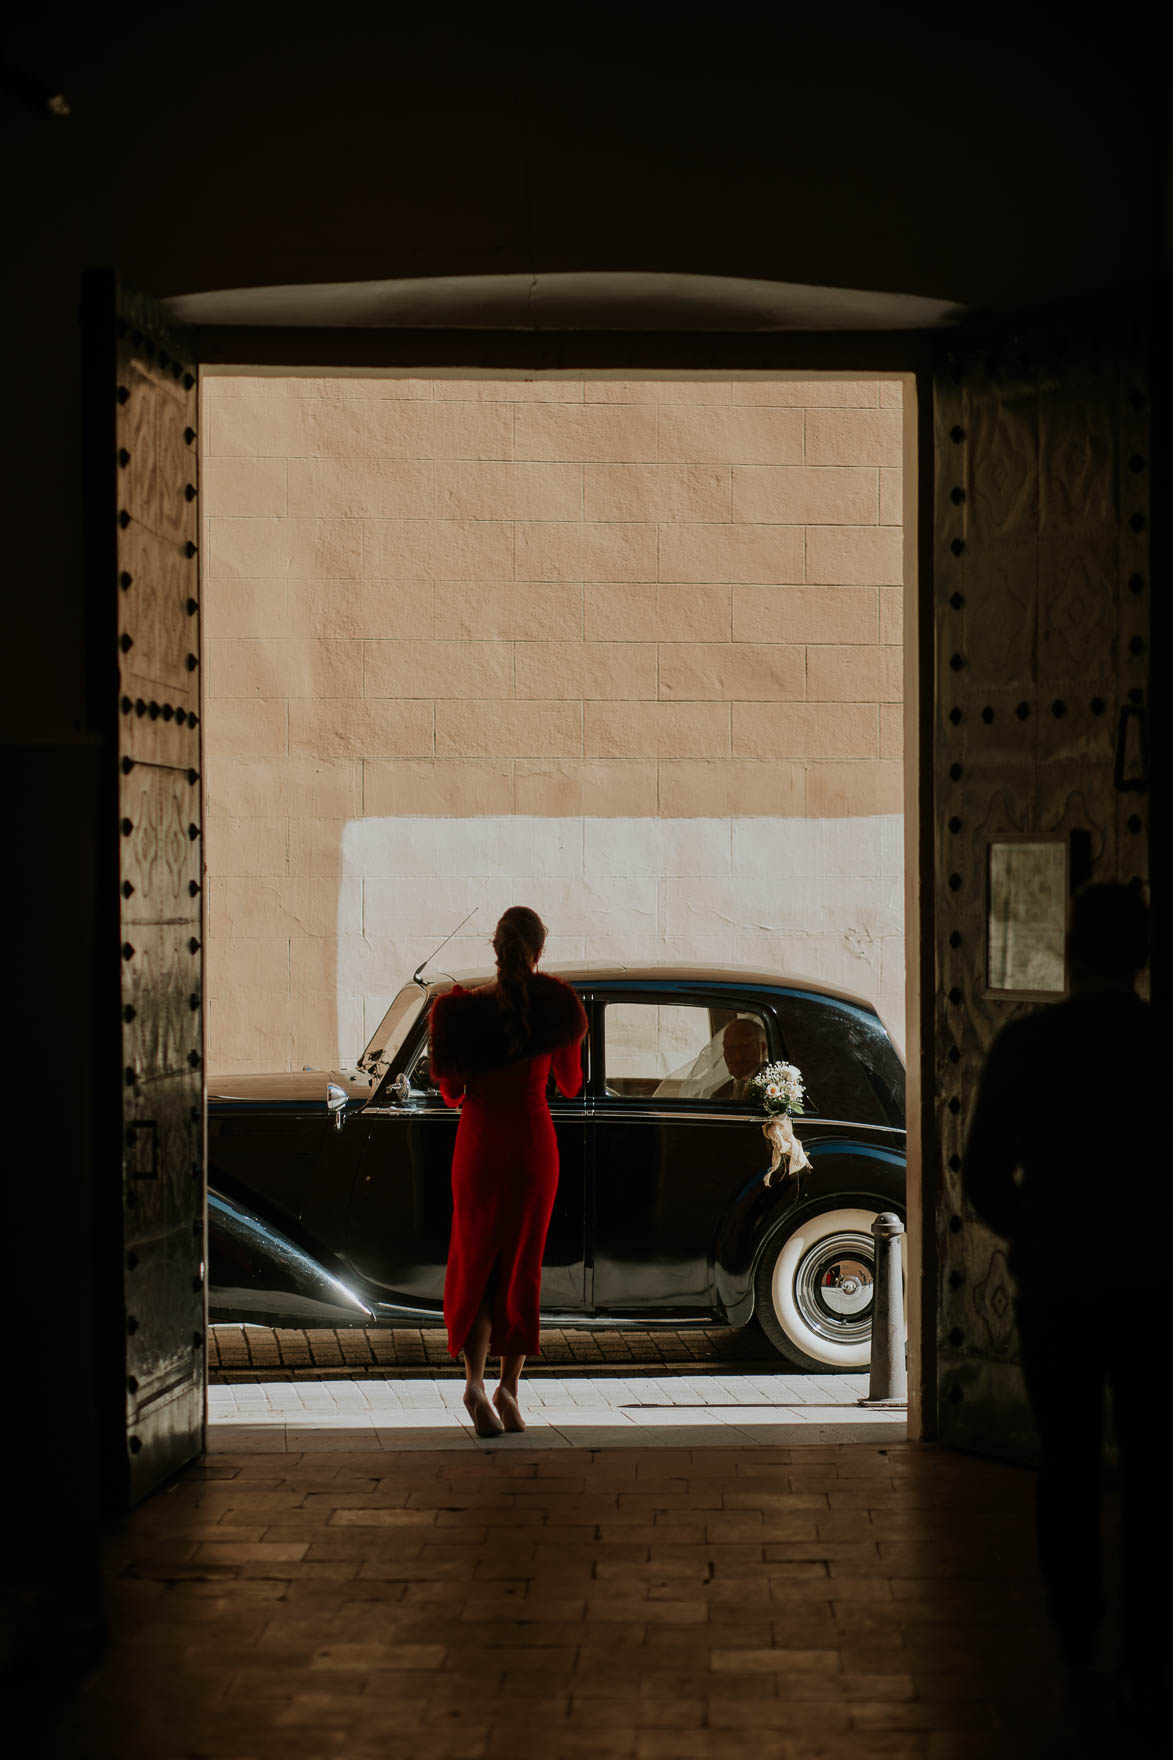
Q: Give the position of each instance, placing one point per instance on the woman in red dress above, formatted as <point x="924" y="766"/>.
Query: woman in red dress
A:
<point x="492" y="1051"/>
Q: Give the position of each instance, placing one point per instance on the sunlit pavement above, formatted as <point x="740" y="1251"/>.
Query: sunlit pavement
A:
<point x="676" y="1410"/>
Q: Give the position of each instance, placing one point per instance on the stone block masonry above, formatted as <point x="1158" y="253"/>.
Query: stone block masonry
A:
<point x="561" y="640"/>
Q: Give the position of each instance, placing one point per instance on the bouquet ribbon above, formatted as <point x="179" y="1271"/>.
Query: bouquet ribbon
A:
<point x="782" y="1140"/>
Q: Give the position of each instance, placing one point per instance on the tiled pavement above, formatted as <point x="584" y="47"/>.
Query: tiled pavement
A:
<point x="247" y="1353"/>
<point x="638" y="1604"/>
<point x="397" y="1413"/>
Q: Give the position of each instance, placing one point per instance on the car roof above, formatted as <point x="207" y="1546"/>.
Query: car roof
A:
<point x="700" y="977"/>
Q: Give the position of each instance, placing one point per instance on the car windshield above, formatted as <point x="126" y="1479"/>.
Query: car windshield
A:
<point x="392" y="1030"/>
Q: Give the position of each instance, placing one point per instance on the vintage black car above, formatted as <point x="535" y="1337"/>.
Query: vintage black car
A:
<point x="330" y="1198"/>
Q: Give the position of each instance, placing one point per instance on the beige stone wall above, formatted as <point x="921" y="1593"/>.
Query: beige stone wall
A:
<point x="479" y="599"/>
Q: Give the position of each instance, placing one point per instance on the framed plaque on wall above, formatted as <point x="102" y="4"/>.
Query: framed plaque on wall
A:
<point x="1026" y="918"/>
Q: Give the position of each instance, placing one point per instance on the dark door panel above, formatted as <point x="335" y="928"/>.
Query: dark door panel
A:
<point x="400" y="1214"/>
<point x="663" y="1182"/>
<point x="401" y="1205"/>
<point x="290" y="1163"/>
<point x="1041" y="577"/>
<point x="673" y="1148"/>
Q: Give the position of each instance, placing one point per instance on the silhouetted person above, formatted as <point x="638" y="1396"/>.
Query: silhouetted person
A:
<point x="1069" y="1160"/>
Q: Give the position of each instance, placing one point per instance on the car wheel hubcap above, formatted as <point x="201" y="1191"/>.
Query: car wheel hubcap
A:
<point x="834" y="1287"/>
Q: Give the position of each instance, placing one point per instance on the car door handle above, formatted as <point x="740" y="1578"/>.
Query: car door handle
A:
<point x="336" y="1098"/>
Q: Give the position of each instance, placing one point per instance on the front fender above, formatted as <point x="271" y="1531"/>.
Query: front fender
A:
<point x="258" y="1276"/>
<point x="842" y="1172"/>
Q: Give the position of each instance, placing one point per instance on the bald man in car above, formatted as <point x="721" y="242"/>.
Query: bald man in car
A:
<point x="745" y="1051"/>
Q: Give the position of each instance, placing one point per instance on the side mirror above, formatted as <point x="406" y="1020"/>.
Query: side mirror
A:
<point x="336" y="1104"/>
<point x="401" y="1088"/>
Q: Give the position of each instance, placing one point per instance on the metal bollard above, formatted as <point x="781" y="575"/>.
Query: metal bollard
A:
<point x="888" y="1383"/>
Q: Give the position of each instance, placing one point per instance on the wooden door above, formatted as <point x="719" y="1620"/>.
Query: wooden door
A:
<point x="150" y="510"/>
<point x="1042" y="594"/>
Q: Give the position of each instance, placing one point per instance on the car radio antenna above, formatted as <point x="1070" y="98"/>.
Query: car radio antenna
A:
<point x="415" y="976"/>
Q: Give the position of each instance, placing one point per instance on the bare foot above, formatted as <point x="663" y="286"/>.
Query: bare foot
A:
<point x="484" y="1419"/>
<point x="506" y="1404"/>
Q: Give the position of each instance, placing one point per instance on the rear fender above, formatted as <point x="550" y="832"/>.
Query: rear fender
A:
<point x="848" y="1174"/>
<point x="258" y="1275"/>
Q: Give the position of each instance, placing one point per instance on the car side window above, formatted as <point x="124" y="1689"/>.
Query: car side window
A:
<point x="682" y="1051"/>
<point x="849" y="1065"/>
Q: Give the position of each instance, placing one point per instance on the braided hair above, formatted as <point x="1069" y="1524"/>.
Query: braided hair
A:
<point x="517" y="942"/>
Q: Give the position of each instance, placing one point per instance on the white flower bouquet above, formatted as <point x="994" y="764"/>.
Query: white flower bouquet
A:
<point x="778" y="1088"/>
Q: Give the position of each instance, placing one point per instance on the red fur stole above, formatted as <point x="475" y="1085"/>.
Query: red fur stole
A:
<point x="468" y="1034"/>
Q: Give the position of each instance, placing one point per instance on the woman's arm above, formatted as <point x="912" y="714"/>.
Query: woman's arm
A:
<point x="441" y="1053"/>
<point x="566" y="1065"/>
<point x="451" y="1089"/>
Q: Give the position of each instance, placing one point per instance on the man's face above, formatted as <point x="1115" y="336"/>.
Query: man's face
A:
<point x="744" y="1048"/>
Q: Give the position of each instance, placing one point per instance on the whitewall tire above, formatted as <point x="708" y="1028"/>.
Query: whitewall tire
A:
<point x="814" y="1291"/>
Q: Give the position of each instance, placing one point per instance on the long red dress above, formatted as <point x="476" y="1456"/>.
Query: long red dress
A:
<point x="505" y="1166"/>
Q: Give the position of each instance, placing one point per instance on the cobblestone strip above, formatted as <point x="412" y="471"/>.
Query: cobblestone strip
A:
<point x="249" y="1353"/>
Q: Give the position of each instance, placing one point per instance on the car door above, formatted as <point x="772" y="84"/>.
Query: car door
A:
<point x="674" y="1145"/>
<point x="400" y="1214"/>
<point x="281" y="1155"/>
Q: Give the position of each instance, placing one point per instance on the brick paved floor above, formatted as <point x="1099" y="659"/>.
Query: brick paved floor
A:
<point x="248" y="1353"/>
<point x="663" y="1604"/>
